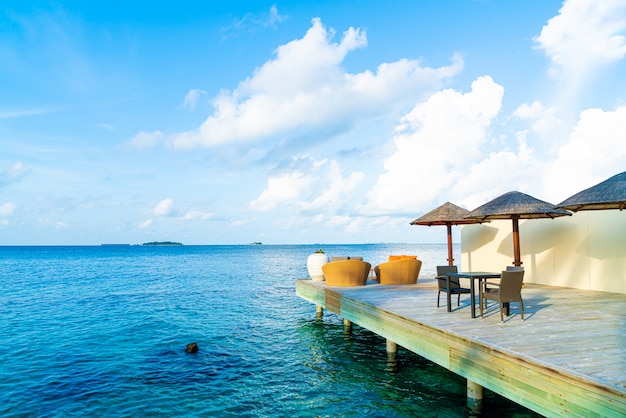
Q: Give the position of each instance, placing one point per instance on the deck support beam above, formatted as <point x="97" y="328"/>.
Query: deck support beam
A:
<point x="319" y="312"/>
<point x="474" y="398"/>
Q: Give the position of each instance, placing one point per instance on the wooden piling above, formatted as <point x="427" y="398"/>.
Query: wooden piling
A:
<point x="474" y="398"/>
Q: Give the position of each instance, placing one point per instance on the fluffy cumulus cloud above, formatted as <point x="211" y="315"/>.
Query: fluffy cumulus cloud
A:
<point x="448" y="144"/>
<point x="596" y="147"/>
<point x="544" y="120"/>
<point x="306" y="90"/>
<point x="284" y="188"/>
<point x="585" y="35"/>
<point x="164" y="208"/>
<point x="309" y="186"/>
<point x="435" y="144"/>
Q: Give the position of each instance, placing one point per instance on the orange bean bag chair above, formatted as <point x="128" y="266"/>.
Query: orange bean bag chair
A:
<point x="404" y="271"/>
<point x="346" y="272"/>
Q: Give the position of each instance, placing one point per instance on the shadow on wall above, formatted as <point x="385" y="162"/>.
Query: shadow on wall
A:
<point x="473" y="238"/>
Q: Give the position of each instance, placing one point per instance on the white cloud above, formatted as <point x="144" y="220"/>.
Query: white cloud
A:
<point x="282" y="189"/>
<point x="306" y="90"/>
<point x="585" y="35"/>
<point x="545" y="121"/>
<point x="192" y="215"/>
<point x="275" y="17"/>
<point x="309" y="186"/>
<point x="164" y="208"/>
<point x="192" y="97"/>
<point x="251" y="23"/>
<point x="145" y="140"/>
<point x="337" y="187"/>
<point x="13" y="174"/>
<point x="595" y="151"/>
<point x="17" y="113"/>
<point x="106" y="126"/>
<point x="436" y="144"/>
<point x="145" y="224"/>
<point x="7" y="209"/>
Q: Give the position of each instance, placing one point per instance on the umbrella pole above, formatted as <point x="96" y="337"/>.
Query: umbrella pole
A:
<point x="450" y="258"/>
<point x="516" y="251"/>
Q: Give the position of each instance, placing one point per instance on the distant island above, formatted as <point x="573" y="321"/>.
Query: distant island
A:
<point x="256" y="243"/>
<point x="162" y="244"/>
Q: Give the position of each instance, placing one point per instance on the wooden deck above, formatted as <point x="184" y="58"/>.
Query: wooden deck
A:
<point x="568" y="358"/>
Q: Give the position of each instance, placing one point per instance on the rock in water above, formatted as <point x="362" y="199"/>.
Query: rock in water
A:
<point x="192" y="348"/>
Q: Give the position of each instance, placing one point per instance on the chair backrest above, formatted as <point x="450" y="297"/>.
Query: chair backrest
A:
<point x="441" y="276"/>
<point x="399" y="271"/>
<point x="346" y="272"/>
<point x="514" y="268"/>
<point x="341" y="258"/>
<point x="511" y="285"/>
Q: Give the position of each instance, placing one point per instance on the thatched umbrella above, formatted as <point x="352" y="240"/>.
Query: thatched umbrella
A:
<point x="447" y="214"/>
<point x="609" y="194"/>
<point x="516" y="206"/>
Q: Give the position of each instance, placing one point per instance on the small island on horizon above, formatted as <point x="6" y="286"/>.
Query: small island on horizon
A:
<point x="162" y="244"/>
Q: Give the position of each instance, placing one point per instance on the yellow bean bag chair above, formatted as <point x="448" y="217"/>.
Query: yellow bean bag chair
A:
<point x="346" y="272"/>
<point x="404" y="271"/>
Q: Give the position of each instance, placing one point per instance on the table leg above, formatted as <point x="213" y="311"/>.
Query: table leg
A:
<point x="448" y="294"/>
<point x="473" y="297"/>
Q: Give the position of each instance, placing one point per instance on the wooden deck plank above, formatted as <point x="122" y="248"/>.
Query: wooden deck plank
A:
<point x="567" y="357"/>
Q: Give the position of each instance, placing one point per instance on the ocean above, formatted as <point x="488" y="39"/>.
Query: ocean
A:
<point x="102" y="331"/>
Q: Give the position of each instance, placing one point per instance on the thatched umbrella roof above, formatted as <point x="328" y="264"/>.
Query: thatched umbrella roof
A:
<point x="516" y="206"/>
<point x="447" y="214"/>
<point x="609" y="194"/>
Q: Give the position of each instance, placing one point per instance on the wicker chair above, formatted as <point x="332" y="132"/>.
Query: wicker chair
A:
<point x="508" y="290"/>
<point x="346" y="272"/>
<point x="403" y="271"/>
<point x="455" y="285"/>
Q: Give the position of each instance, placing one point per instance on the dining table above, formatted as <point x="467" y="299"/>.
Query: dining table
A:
<point x="478" y="276"/>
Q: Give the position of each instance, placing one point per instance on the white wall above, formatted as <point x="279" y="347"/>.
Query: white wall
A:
<point x="586" y="250"/>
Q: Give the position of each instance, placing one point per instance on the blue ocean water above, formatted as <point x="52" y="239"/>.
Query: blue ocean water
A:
<point x="102" y="330"/>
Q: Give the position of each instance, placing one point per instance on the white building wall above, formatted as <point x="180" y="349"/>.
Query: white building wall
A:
<point x="585" y="251"/>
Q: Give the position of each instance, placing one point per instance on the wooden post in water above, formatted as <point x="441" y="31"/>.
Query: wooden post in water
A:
<point x="347" y="326"/>
<point x="392" y="350"/>
<point x="474" y="398"/>
<point x="392" y="355"/>
<point x="319" y="312"/>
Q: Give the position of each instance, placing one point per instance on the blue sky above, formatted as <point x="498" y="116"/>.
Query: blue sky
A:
<point x="298" y="122"/>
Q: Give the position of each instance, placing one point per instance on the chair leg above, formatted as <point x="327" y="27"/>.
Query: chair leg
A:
<point x="458" y="300"/>
<point x="483" y="304"/>
<point x="438" y="293"/>
<point x="521" y="307"/>
<point x="501" y="313"/>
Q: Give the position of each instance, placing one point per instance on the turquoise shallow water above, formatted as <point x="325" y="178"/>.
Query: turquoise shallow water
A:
<point x="101" y="331"/>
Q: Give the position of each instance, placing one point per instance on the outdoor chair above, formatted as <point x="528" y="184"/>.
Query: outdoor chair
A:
<point x="346" y="272"/>
<point x="455" y="285"/>
<point x="508" y="290"/>
<point x="403" y="271"/>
